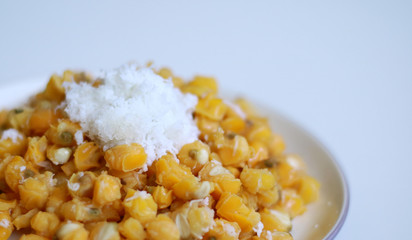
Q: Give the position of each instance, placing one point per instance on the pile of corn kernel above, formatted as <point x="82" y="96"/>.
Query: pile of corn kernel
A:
<point x="235" y="182"/>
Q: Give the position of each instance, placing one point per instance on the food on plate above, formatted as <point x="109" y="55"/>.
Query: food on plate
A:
<point x="138" y="153"/>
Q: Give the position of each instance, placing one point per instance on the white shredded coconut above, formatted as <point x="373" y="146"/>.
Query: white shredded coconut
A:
<point x="78" y="136"/>
<point x="11" y="134"/>
<point x="4" y="223"/>
<point x="235" y="108"/>
<point x="138" y="194"/>
<point x="258" y="228"/>
<point x="229" y="229"/>
<point x="73" y="186"/>
<point x="134" y="106"/>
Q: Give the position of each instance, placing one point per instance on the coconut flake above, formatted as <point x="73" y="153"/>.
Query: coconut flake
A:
<point x="78" y="137"/>
<point x="11" y="134"/>
<point x="134" y="106"/>
<point x="258" y="228"/>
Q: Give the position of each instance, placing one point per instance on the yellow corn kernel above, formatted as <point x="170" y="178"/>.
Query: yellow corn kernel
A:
<point x="233" y="124"/>
<point x="36" y="150"/>
<point x="274" y="235"/>
<point x="3" y="165"/>
<point x="33" y="193"/>
<point x="161" y="196"/>
<point x="45" y="224"/>
<point x="232" y="208"/>
<point x="81" y="184"/>
<point x="249" y="199"/>
<point x="246" y="106"/>
<point x="194" y="155"/>
<point x="72" y="231"/>
<point x="140" y="205"/>
<point x="105" y="231"/>
<point x="32" y="236"/>
<point x="260" y="153"/>
<point x="276" y="145"/>
<point x="19" y="119"/>
<point x="275" y="220"/>
<point x="16" y="171"/>
<point x="234" y="171"/>
<point x="132" y="229"/>
<point x="12" y="146"/>
<point x="58" y="155"/>
<point x="62" y="133"/>
<point x="162" y="227"/>
<point x="6" y="227"/>
<point x="259" y="130"/>
<point x="257" y="180"/>
<point x="309" y="189"/>
<point x="23" y="221"/>
<point x="224" y="181"/>
<point x="68" y="168"/>
<point x="5" y="205"/>
<point x="106" y="189"/>
<point x="201" y="86"/>
<point x="41" y="120"/>
<point x="169" y="172"/>
<point x="87" y="156"/>
<point x="206" y="126"/>
<point x="234" y="151"/>
<point x="190" y="188"/>
<point x="54" y="90"/>
<point x="268" y="198"/>
<point x="126" y="157"/>
<point x="223" y="230"/>
<point x="291" y="202"/>
<point x="131" y="179"/>
<point x="76" y="210"/>
<point x="57" y="197"/>
<point x="290" y="171"/>
<point x="211" y="107"/>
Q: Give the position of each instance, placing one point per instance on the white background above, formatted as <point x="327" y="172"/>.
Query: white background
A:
<point x="341" y="69"/>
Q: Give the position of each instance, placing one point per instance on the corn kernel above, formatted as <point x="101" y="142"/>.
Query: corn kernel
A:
<point x="72" y="231"/>
<point x="45" y="224"/>
<point x="106" y="189"/>
<point x="58" y="155"/>
<point x="211" y="107"/>
<point x="194" y="155"/>
<point x="223" y="230"/>
<point x="169" y="172"/>
<point x="162" y="196"/>
<point x="6" y="227"/>
<point x="291" y="202"/>
<point x="140" y="205"/>
<point x="257" y="180"/>
<point x="87" y="156"/>
<point x="23" y="221"/>
<point x="275" y="220"/>
<point x="126" y="157"/>
<point x="190" y="188"/>
<point x="132" y="229"/>
<point x="32" y="237"/>
<point x="36" y="150"/>
<point x="309" y="189"/>
<point x="234" y="151"/>
<point x="162" y="227"/>
<point x="105" y="231"/>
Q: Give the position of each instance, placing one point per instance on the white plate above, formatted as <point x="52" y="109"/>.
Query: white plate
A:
<point x="323" y="218"/>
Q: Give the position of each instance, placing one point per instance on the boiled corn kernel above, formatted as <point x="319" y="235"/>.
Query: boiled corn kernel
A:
<point x="105" y="231"/>
<point x="126" y="157"/>
<point x="223" y="230"/>
<point x="234" y="151"/>
<point x="309" y="189"/>
<point x="194" y="155"/>
<point x="161" y="196"/>
<point x="87" y="156"/>
<point x="6" y="227"/>
<point x="132" y="229"/>
<point x="162" y="227"/>
<point x="106" y="189"/>
<point x="36" y="150"/>
<point x="140" y="205"/>
<point x="72" y="231"/>
<point x="58" y="155"/>
<point x="45" y="224"/>
<point x="275" y="220"/>
<point x="257" y="180"/>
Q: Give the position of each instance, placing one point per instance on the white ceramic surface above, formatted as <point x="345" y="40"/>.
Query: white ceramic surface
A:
<point x="322" y="220"/>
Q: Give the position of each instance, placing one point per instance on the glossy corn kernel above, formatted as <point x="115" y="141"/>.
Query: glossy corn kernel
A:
<point x="194" y="155"/>
<point x="309" y="189"/>
<point x="223" y="230"/>
<point x="5" y="205"/>
<point x="105" y="231"/>
<point x="23" y="220"/>
<point x="87" y="156"/>
<point x="257" y="180"/>
<point x="58" y="155"/>
<point x="169" y="172"/>
<point x="72" y="231"/>
<point x="36" y="150"/>
<point x="211" y="107"/>
<point x="32" y="236"/>
<point x="162" y="227"/>
<point x="54" y="90"/>
<point x="274" y="235"/>
<point x="41" y="120"/>
<point x="161" y="196"/>
<point x="260" y="153"/>
<point x="246" y="106"/>
<point x="249" y="199"/>
<point x="12" y="146"/>
<point x="81" y="184"/>
<point x="69" y="168"/>
<point x="126" y="157"/>
<point x="206" y="126"/>
<point x="33" y="193"/>
<point x="132" y="229"/>
<point x="19" y="119"/>
<point x="232" y="208"/>
<point x="290" y="171"/>
<point x="106" y="189"/>
<point x="268" y="198"/>
<point x="6" y="227"/>
<point x="233" y="124"/>
<point x="140" y="205"/>
<point x="193" y="219"/>
<point x="131" y="179"/>
<point x="201" y="86"/>
<point x="291" y="202"/>
<point x="191" y="188"/>
<point x="234" y="151"/>
<point x="62" y="133"/>
<point x="57" y="197"/>
<point x="16" y="171"/>
<point x="45" y="224"/>
<point x="276" y="145"/>
<point x="223" y="179"/>
<point x="275" y="220"/>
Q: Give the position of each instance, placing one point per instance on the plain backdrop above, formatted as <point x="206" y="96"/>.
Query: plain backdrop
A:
<point x="341" y="69"/>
